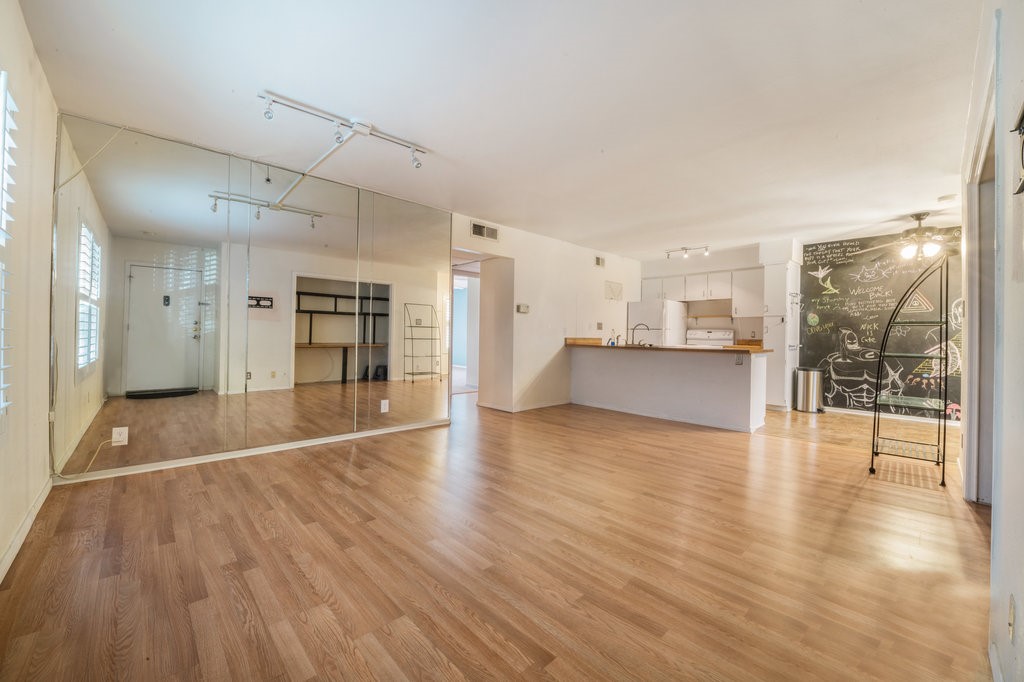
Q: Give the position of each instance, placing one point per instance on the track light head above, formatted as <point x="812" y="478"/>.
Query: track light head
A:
<point x="268" y="180"/>
<point x="416" y="163"/>
<point x="707" y="251"/>
<point x="312" y="222"/>
<point x="339" y="136"/>
<point x="257" y="213"/>
<point x="213" y="206"/>
<point x="686" y="253"/>
<point x="268" y="113"/>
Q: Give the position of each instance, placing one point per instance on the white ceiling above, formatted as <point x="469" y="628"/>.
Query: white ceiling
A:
<point x="628" y="127"/>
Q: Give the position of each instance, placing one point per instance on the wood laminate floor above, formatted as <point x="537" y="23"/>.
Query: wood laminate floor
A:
<point x="562" y="543"/>
<point x="165" y="429"/>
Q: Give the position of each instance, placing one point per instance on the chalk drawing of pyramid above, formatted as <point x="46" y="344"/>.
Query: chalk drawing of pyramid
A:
<point x="918" y="303"/>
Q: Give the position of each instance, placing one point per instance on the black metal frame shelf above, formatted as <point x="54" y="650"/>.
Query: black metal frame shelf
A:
<point x="365" y="316"/>
<point x="413" y="349"/>
<point x="902" y="447"/>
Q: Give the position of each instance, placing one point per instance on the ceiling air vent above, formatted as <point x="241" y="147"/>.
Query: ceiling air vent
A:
<point x="599" y="261"/>
<point x="485" y="232"/>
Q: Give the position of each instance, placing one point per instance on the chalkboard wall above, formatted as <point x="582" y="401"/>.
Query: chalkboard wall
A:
<point x="849" y="289"/>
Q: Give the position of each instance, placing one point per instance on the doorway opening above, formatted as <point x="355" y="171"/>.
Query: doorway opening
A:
<point x="465" y="333"/>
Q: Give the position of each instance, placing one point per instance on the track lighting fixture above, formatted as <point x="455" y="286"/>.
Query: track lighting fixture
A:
<point x="339" y="136"/>
<point x="312" y="222"/>
<point x="685" y="250"/>
<point x="339" y="122"/>
<point x="213" y="206"/>
<point x="261" y="204"/>
<point x="257" y="213"/>
<point x="268" y="181"/>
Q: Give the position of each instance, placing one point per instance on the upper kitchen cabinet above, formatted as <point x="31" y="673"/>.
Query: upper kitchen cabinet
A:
<point x="651" y="289"/>
<point x="719" y="285"/>
<point x="696" y="287"/>
<point x="748" y="293"/>
<point x="674" y="288"/>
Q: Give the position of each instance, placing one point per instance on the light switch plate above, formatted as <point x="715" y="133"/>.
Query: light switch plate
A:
<point x="119" y="436"/>
<point x="522" y="307"/>
<point x="385" y="405"/>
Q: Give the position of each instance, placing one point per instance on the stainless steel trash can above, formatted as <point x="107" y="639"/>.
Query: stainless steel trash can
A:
<point x="809" y="386"/>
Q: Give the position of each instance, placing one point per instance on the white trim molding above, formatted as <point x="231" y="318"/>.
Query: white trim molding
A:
<point x="26" y="524"/>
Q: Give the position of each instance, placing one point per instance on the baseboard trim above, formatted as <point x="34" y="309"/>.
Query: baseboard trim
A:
<point x="993" y="662"/>
<point x="26" y="524"/>
<point x="901" y="417"/>
<point x="59" y="479"/>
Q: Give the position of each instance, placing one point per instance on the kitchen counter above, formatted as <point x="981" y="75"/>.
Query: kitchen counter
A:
<point x="749" y="350"/>
<point x="723" y="387"/>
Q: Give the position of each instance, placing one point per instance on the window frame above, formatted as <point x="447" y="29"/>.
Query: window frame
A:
<point x="7" y="146"/>
<point x="88" y="298"/>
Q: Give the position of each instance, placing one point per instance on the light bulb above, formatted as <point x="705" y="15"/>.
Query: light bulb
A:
<point x="930" y="249"/>
<point x="707" y="251"/>
<point x="909" y="251"/>
<point x="686" y="253"/>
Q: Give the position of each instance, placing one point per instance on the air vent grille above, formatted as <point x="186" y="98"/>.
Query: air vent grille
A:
<point x="485" y="231"/>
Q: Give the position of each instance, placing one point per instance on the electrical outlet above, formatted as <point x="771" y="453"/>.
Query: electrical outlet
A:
<point x="273" y="374"/>
<point x="248" y="375"/>
<point x="600" y="326"/>
<point x="385" y="405"/>
<point x="119" y="436"/>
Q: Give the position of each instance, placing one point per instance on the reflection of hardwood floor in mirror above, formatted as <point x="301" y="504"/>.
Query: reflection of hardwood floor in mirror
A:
<point x="560" y="543"/>
<point x="164" y="429"/>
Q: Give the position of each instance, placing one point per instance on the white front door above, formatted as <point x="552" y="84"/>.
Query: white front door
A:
<point x="164" y="323"/>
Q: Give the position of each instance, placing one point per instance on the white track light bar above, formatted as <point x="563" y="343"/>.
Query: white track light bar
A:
<point x="259" y="203"/>
<point x="359" y="127"/>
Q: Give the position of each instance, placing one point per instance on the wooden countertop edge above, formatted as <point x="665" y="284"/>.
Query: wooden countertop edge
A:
<point x="748" y="350"/>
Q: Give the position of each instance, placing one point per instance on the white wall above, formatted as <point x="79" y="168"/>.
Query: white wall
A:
<point x="1002" y="38"/>
<point x="127" y="251"/>
<point x="272" y="273"/>
<point x="78" y="398"/>
<point x="24" y="453"/>
<point x="566" y="295"/>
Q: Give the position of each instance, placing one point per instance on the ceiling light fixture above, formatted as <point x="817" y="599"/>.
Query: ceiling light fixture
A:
<point x="339" y="136"/>
<point x="416" y="163"/>
<point x="685" y="250"/>
<point x="365" y="129"/>
<point x="268" y="181"/>
<point x="312" y="222"/>
<point x="260" y="204"/>
<point x="922" y="241"/>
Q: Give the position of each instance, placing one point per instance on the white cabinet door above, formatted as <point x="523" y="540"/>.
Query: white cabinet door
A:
<point x="748" y="293"/>
<point x="650" y="289"/>
<point x="775" y="286"/>
<point x="719" y="285"/>
<point x="674" y="288"/>
<point x="696" y="288"/>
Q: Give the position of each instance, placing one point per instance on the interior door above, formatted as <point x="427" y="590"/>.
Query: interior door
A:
<point x="164" y="328"/>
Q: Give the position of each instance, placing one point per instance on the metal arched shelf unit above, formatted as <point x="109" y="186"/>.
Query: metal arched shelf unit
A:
<point x="936" y="399"/>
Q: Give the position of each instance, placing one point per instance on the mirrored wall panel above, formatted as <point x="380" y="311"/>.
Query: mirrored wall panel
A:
<point x="204" y="303"/>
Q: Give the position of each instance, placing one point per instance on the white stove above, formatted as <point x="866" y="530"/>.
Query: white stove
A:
<point x="709" y="338"/>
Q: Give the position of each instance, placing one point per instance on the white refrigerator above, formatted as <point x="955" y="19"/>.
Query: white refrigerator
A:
<point x="666" y="320"/>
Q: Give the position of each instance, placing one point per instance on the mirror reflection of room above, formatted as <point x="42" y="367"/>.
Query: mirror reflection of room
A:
<point x="206" y="303"/>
